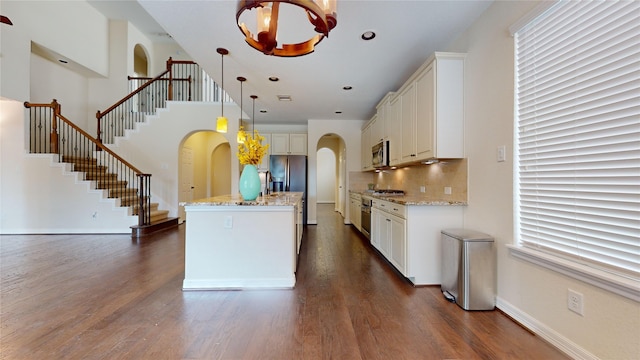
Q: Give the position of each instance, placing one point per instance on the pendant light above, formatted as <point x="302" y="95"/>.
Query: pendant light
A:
<point x="253" y="116"/>
<point x="221" y="122"/>
<point x="320" y="13"/>
<point x="241" y="134"/>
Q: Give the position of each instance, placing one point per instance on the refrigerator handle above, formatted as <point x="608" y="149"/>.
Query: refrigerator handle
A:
<point x="286" y="177"/>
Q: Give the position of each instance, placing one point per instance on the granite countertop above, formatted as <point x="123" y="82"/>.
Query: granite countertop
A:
<point x="275" y="199"/>
<point x="412" y="199"/>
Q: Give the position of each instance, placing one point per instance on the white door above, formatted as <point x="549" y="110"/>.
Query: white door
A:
<point x="186" y="179"/>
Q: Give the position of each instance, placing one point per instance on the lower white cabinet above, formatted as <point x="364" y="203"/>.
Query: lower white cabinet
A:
<point x="408" y="236"/>
<point x="355" y="201"/>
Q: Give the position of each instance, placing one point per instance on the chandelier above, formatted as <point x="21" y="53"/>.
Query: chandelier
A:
<point x="320" y="13"/>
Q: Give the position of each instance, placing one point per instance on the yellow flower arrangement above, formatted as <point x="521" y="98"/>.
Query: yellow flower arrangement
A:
<point x="251" y="151"/>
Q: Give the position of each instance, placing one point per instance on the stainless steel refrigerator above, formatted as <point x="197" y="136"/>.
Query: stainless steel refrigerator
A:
<point x="289" y="173"/>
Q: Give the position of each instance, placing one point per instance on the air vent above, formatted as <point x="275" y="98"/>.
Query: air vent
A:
<point x="284" y="97"/>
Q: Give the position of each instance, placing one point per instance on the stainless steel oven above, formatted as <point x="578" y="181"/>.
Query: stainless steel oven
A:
<point x="365" y="216"/>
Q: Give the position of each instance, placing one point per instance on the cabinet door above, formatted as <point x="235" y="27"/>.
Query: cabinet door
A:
<point x="279" y="144"/>
<point x="408" y="106"/>
<point x="385" y="235"/>
<point x="375" y="228"/>
<point x="425" y="114"/>
<point x="264" y="165"/>
<point x="366" y="148"/>
<point x="298" y="144"/>
<point x="394" y="126"/>
<point x="398" y="243"/>
<point x="377" y="130"/>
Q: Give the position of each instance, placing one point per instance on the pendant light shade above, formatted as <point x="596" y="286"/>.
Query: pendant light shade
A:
<point x="221" y="122"/>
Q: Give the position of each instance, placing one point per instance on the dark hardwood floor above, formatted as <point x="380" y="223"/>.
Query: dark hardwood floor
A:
<point x="106" y="297"/>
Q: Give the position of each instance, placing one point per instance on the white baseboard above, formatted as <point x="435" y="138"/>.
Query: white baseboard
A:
<point x="549" y="335"/>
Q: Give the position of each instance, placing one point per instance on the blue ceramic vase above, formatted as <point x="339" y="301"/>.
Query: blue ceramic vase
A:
<point x="249" y="183"/>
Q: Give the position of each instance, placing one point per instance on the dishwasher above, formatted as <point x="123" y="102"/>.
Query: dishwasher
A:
<point x="365" y="216"/>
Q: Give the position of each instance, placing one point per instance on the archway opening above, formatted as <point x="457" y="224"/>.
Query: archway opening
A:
<point x="331" y="153"/>
<point x="204" y="167"/>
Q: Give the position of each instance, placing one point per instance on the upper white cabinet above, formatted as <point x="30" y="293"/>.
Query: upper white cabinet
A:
<point x="425" y="118"/>
<point x="432" y="109"/>
<point x="288" y="144"/>
<point x="366" y="148"/>
<point x="264" y="165"/>
<point x="377" y="129"/>
<point x="394" y="128"/>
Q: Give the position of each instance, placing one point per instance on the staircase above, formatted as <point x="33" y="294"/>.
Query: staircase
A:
<point x="52" y="133"/>
<point x="125" y="196"/>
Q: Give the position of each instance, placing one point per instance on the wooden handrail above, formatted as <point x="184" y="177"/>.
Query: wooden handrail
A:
<point x="56" y="107"/>
<point x="100" y="114"/>
<point x="148" y="78"/>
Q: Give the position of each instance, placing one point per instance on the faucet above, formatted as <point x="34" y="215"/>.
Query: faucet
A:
<point x="267" y="181"/>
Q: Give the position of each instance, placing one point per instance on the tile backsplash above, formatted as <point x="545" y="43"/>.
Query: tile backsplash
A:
<point x="435" y="178"/>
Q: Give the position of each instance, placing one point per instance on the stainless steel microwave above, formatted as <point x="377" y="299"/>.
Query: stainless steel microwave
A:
<point x="380" y="154"/>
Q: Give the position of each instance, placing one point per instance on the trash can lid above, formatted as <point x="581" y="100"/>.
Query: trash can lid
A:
<point x="467" y="235"/>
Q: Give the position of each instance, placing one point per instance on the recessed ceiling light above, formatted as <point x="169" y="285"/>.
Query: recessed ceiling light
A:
<point x="284" y="97"/>
<point x="273" y="78"/>
<point x="63" y="61"/>
<point x="347" y="87"/>
<point x="368" y="35"/>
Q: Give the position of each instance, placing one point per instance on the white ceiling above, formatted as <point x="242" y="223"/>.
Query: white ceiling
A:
<point x="407" y="33"/>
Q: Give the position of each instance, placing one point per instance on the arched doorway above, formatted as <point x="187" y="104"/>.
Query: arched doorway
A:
<point x="220" y="183"/>
<point x="335" y="180"/>
<point x="140" y="61"/>
<point x="205" y="167"/>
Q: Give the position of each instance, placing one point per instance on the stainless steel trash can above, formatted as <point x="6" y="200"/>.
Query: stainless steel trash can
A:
<point x="468" y="269"/>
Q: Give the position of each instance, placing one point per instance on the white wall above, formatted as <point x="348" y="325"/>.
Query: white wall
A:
<point x="54" y="25"/>
<point x="350" y="132"/>
<point x="53" y="81"/>
<point x="100" y="57"/>
<point x="155" y="145"/>
<point x="35" y="190"/>
<point x="610" y="328"/>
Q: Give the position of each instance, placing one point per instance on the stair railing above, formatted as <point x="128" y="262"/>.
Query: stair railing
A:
<point x="51" y="133"/>
<point x="182" y="80"/>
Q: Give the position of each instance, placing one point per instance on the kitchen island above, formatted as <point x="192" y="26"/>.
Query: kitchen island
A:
<point x="235" y="244"/>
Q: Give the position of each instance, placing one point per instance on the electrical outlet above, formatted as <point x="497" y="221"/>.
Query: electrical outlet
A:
<point x="423" y="189"/>
<point x="575" y="302"/>
<point x="447" y="190"/>
<point x="228" y="222"/>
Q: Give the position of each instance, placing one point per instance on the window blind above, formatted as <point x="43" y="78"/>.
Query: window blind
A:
<point x="578" y="134"/>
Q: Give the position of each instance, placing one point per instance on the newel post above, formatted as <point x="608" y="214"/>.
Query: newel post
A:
<point x="99" y="118"/>
<point x="169" y="68"/>
<point x="53" y="137"/>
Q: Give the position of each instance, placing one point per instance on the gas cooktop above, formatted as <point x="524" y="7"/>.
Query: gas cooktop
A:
<point x="386" y="192"/>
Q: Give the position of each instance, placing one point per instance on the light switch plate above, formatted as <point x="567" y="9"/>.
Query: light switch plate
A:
<point x="228" y="222"/>
<point x="501" y="154"/>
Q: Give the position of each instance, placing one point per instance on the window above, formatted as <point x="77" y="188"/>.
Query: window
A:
<point x="578" y="139"/>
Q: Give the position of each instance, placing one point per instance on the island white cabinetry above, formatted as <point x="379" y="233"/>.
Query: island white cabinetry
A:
<point x="408" y="236"/>
<point x="233" y="244"/>
<point x="288" y="144"/>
